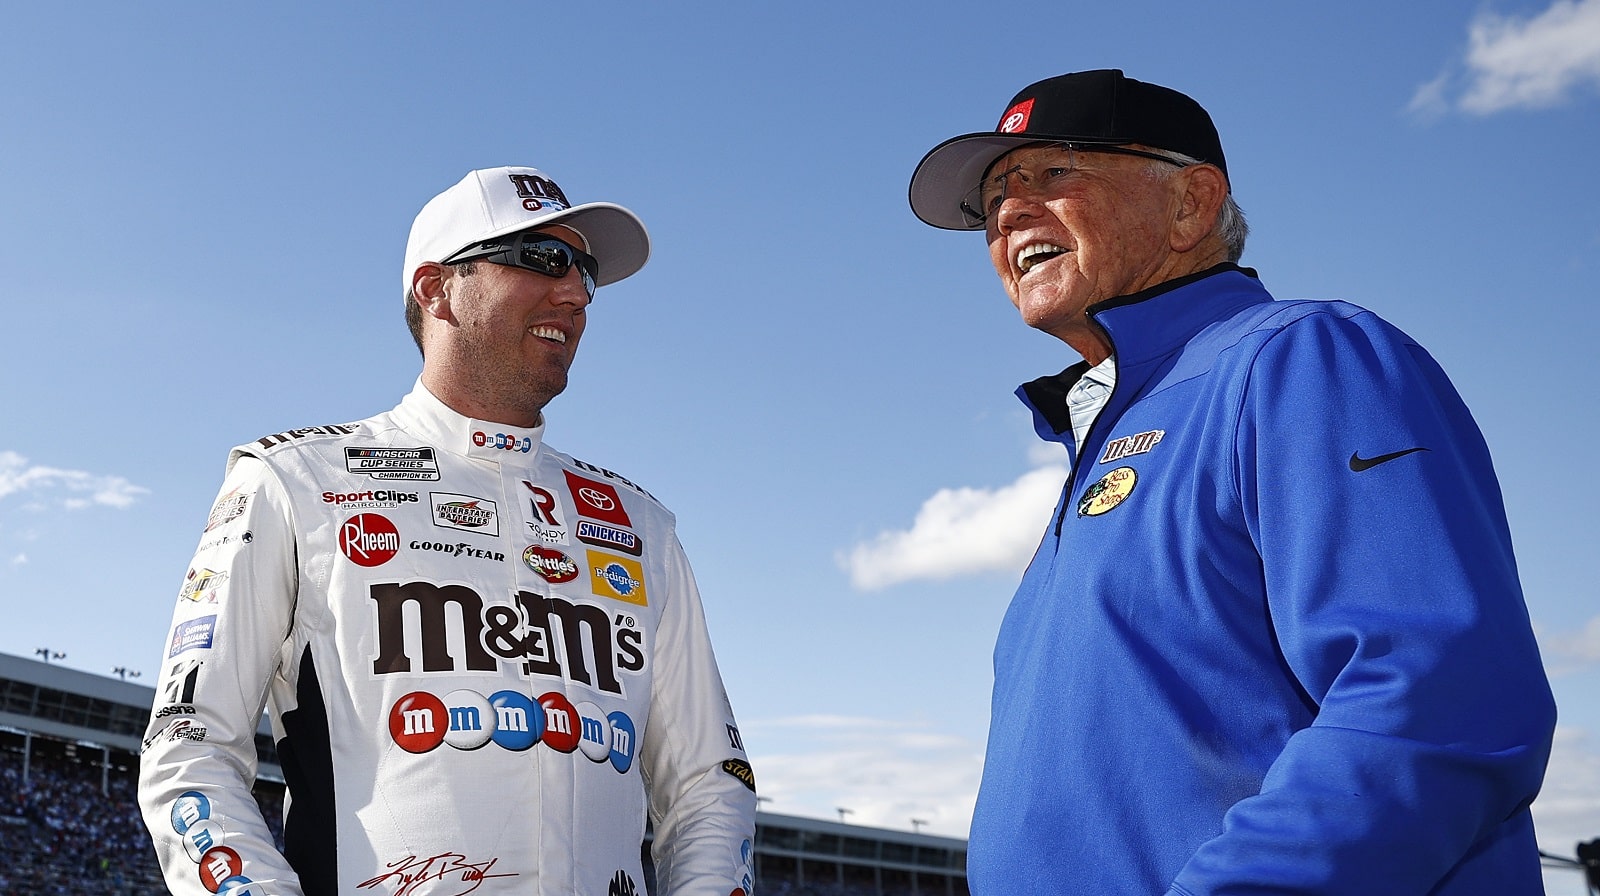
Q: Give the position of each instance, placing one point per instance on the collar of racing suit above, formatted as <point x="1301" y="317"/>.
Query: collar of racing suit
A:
<point x="422" y="414"/>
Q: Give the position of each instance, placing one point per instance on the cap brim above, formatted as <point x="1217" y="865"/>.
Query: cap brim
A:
<point x="955" y="166"/>
<point x="616" y="236"/>
<point x="951" y="169"/>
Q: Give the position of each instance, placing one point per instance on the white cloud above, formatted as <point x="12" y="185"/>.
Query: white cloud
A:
<point x="889" y="772"/>
<point x="1431" y="99"/>
<point x="885" y="772"/>
<point x="1566" y="653"/>
<point x="82" y="489"/>
<point x="1567" y="811"/>
<point x="1045" y="454"/>
<point x="19" y="560"/>
<point x="961" y="531"/>
<point x="1523" y="63"/>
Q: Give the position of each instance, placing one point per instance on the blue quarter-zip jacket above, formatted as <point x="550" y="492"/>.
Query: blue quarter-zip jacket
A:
<point x="1273" y="640"/>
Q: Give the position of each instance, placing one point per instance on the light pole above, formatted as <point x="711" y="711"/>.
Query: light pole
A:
<point x="49" y="654"/>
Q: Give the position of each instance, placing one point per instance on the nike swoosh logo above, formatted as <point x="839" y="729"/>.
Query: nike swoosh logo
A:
<point x="1359" y="463"/>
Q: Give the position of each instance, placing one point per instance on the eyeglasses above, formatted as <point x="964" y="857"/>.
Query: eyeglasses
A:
<point x="978" y="203"/>
<point x="533" y="251"/>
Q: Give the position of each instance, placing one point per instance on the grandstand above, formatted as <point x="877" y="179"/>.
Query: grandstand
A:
<point x="69" y="823"/>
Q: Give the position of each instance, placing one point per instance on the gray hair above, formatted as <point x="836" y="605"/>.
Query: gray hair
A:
<point x="1231" y="225"/>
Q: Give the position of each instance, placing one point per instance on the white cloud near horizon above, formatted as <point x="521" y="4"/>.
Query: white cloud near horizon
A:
<point x="961" y="531"/>
<point x="1570" y="652"/>
<point x="18" y="476"/>
<point x="1567" y="811"/>
<point x="886" y="772"/>
<point x="1046" y="454"/>
<point x="1515" y="63"/>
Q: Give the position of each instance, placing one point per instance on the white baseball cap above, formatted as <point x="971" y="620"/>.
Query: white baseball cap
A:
<point x="494" y="202"/>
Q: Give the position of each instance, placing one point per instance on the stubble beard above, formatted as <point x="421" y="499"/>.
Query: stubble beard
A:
<point x="503" y="378"/>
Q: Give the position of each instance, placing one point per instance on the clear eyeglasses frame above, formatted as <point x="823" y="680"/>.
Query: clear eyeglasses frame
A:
<point x="983" y="200"/>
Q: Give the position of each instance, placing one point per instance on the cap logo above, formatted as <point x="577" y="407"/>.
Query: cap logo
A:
<point x="1016" y="118"/>
<point x="538" y="193"/>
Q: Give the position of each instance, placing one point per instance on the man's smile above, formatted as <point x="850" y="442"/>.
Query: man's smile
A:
<point x="1035" y="253"/>
<point x="548" y="332"/>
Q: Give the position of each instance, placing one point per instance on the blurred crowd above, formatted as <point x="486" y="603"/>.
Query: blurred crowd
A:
<point x="62" y="835"/>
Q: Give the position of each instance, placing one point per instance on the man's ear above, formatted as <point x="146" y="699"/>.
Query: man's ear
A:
<point x="1205" y="188"/>
<point x="428" y="290"/>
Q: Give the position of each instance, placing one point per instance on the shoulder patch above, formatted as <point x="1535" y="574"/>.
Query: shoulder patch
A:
<point x="742" y="771"/>
<point x="602" y="471"/>
<point x="267" y="443"/>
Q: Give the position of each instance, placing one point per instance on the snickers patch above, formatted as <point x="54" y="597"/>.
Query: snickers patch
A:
<point x="601" y="535"/>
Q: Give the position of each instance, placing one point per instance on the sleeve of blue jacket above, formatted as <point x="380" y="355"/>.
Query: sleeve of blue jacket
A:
<point x="1394" y="596"/>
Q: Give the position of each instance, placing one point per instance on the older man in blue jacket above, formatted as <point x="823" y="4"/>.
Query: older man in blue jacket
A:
<point x="1273" y="641"/>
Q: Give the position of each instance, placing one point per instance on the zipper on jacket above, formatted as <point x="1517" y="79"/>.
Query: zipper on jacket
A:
<point x="1088" y="437"/>
<point x="1072" y="477"/>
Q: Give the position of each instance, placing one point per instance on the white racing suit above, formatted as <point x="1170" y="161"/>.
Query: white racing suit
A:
<point x="485" y="664"/>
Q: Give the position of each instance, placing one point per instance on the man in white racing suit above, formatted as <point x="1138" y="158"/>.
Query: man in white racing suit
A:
<point x="485" y="662"/>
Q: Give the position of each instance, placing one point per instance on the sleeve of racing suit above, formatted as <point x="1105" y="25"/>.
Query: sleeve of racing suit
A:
<point x="702" y="792"/>
<point x="199" y="757"/>
<point x="1394" y="595"/>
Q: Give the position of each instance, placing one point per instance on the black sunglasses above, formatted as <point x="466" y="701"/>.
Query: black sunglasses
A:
<point x="540" y="252"/>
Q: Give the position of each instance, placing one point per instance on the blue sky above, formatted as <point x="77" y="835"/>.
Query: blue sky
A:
<point x="204" y="216"/>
